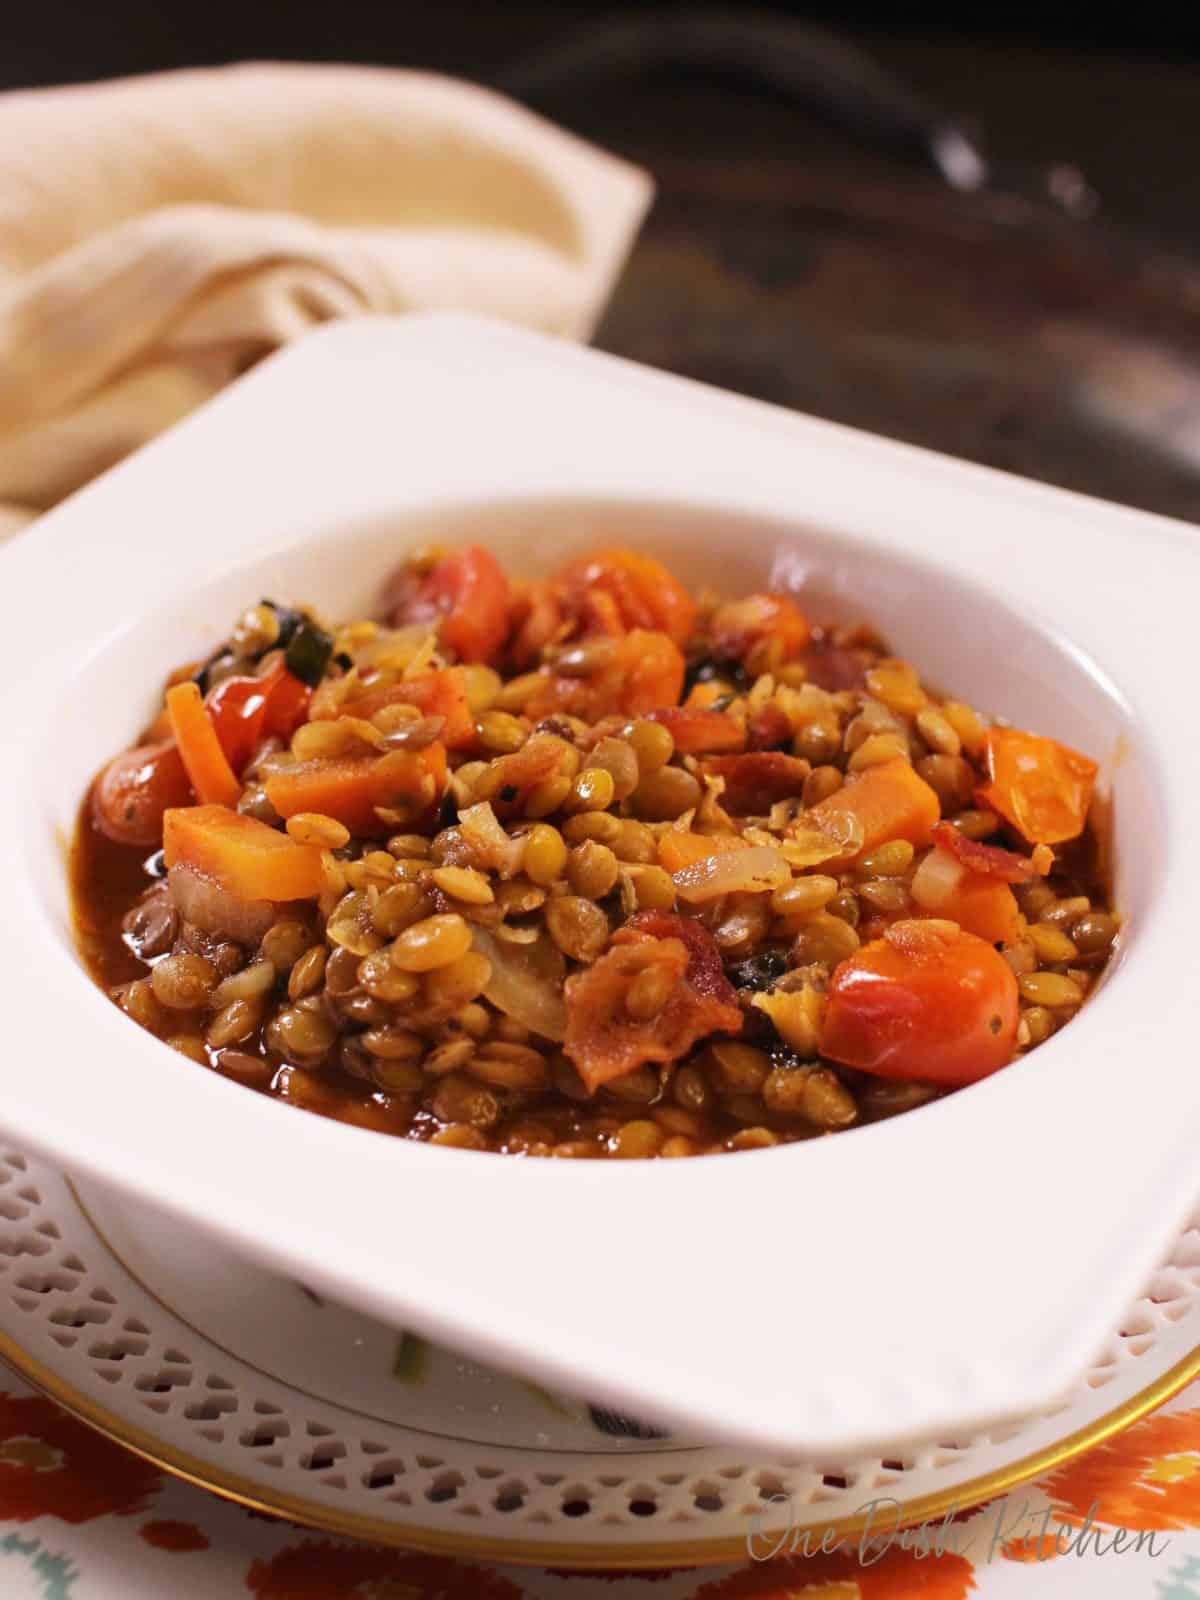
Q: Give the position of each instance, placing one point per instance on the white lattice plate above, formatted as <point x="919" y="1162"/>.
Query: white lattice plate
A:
<point x="248" y="1384"/>
<point x="925" y="1275"/>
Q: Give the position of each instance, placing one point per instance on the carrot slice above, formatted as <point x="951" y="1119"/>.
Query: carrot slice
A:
<point x="535" y="617"/>
<point x="890" y="801"/>
<point x="207" y="766"/>
<point x="641" y="672"/>
<point x="351" y="787"/>
<point x="943" y="886"/>
<point x="246" y="857"/>
<point x="677" y="850"/>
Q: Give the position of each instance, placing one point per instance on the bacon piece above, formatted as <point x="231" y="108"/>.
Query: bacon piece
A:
<point x="536" y="619"/>
<point x="615" y="590"/>
<point x="698" y="732"/>
<point x="738" y="625"/>
<point x="604" y="1041"/>
<point x="768" y="728"/>
<point x="988" y="859"/>
<point x="706" y="970"/>
<point x="755" y="781"/>
<point x="837" y="667"/>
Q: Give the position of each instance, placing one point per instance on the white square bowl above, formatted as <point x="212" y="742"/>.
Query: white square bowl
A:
<point x="919" y="1277"/>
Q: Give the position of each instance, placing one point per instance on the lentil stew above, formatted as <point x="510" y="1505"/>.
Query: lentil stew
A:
<point x="587" y="866"/>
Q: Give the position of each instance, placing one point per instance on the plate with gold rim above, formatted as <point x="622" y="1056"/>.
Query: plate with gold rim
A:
<point x="263" y="1391"/>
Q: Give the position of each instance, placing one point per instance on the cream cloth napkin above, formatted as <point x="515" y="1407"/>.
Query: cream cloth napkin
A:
<point x="158" y="235"/>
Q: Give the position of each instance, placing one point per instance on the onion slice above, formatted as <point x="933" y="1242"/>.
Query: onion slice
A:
<point x="526" y="983"/>
<point x="936" y="880"/>
<point x="754" y="871"/>
<point x="489" y="844"/>
<point x="206" y="905"/>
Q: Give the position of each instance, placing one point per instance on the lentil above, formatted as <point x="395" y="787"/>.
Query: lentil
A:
<point x="465" y="884"/>
<point x="284" y="943"/>
<point x="183" y="982"/>
<point x="592" y="870"/>
<point x="1049" y="989"/>
<point x="308" y="973"/>
<point x="652" y="745"/>
<point x="1093" y="933"/>
<point x="578" y="928"/>
<point x="665" y="794"/>
<point x="434" y="942"/>
<point x="307" y="827"/>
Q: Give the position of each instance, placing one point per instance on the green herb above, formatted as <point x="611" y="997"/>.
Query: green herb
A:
<point x="308" y="652"/>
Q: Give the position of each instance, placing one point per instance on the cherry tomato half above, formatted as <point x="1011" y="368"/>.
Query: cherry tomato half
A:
<point x="135" y="788"/>
<point x="926" y="1002"/>
<point x="245" y="711"/>
<point x="1042" y="787"/>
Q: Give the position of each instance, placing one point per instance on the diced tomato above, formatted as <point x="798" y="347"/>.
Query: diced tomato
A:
<point x="244" y="856"/>
<point x="1042" y="787"/>
<point x="890" y="801"/>
<point x="640" y="673"/>
<point x="466" y="593"/>
<point x="598" y="612"/>
<point x="634" y="591"/>
<point x="437" y="694"/>
<point x="699" y="732"/>
<point x="738" y="625"/>
<point x="352" y="788"/>
<point x="287" y="703"/>
<point x="922" y="1003"/>
<point x="654" y="672"/>
<point x="978" y="902"/>
<point x="135" y="789"/>
<point x="237" y="707"/>
<point x="989" y="859"/>
<point x="604" y="1041"/>
<point x="535" y="618"/>
<point x="755" y="781"/>
<point x="245" y="711"/>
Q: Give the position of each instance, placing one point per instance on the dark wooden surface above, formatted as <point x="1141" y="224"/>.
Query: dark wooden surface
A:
<point x="1128" y="113"/>
<point x="786" y="260"/>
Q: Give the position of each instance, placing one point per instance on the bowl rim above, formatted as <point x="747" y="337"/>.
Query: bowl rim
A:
<point x="301" y="445"/>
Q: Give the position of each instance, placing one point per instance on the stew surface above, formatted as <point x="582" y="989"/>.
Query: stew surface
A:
<point x="586" y="866"/>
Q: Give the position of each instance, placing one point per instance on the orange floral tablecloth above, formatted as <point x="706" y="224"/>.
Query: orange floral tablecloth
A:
<point x="81" y="1519"/>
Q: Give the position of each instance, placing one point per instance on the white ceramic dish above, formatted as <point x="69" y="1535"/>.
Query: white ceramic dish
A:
<point x="959" y="1264"/>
